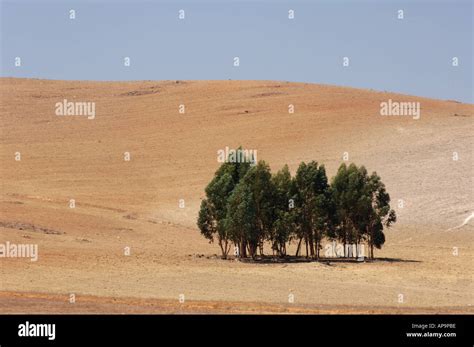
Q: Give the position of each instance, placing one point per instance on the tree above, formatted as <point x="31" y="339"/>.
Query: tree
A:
<point x="248" y="206"/>
<point x="362" y="207"/>
<point x="349" y="197"/>
<point x="213" y="210"/>
<point x="207" y="221"/>
<point x="253" y="194"/>
<point x="313" y="197"/>
<point x="241" y="219"/>
<point x="379" y="214"/>
<point x="284" y="213"/>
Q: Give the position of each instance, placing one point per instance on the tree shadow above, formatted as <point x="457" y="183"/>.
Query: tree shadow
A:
<point x="396" y="260"/>
<point x="322" y="260"/>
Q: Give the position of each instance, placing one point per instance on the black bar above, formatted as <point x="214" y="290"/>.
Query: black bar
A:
<point x="247" y="330"/>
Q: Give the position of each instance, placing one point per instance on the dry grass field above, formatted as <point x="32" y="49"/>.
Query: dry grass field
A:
<point x="173" y="156"/>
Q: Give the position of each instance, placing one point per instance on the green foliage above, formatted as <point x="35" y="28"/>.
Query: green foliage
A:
<point x="248" y="206"/>
<point x="207" y="220"/>
<point x="362" y="206"/>
<point x="284" y="212"/>
<point x="213" y="211"/>
<point x="241" y="218"/>
<point x="254" y="196"/>
<point x="314" y="202"/>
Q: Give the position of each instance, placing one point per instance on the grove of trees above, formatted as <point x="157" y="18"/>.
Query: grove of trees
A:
<point x="247" y="207"/>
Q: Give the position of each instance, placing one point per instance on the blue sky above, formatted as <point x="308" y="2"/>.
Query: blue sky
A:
<point x="411" y="56"/>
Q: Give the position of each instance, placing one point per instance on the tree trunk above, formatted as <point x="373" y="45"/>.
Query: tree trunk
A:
<point x="311" y="245"/>
<point x="224" y="254"/>
<point x="227" y="248"/>
<point x="243" y="250"/>
<point x="317" y="248"/>
<point x="345" y="240"/>
<point x="298" y="248"/>
<point x="252" y="250"/>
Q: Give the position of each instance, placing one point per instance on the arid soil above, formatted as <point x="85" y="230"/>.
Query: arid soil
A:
<point x="428" y="256"/>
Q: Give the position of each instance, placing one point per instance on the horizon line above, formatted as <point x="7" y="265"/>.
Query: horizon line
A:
<point x="238" y="80"/>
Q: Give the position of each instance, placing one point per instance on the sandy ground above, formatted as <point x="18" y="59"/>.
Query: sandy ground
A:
<point x="173" y="156"/>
